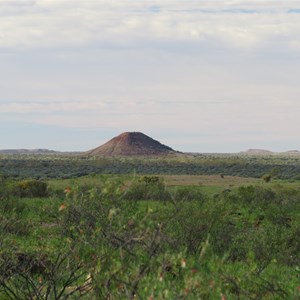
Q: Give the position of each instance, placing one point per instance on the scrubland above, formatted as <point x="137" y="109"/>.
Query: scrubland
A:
<point x="139" y="236"/>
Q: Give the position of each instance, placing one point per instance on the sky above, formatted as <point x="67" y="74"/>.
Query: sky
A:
<point x="197" y="75"/>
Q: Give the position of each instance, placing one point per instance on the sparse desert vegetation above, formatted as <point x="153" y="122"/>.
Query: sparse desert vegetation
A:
<point x="68" y="166"/>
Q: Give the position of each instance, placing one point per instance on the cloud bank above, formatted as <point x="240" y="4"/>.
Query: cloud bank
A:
<point x="211" y="75"/>
<point x="44" y="24"/>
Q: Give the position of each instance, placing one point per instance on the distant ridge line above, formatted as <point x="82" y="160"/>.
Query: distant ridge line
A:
<point x="267" y="152"/>
<point x="28" y="151"/>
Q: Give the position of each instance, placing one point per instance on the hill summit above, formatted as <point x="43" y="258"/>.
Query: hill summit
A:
<point x="130" y="144"/>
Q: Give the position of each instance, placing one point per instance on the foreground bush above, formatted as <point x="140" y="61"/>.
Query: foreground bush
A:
<point x="31" y="188"/>
<point x="24" y="188"/>
<point x="147" y="188"/>
<point x="240" y="244"/>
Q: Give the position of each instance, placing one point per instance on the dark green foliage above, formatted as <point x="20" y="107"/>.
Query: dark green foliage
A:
<point x="150" y="179"/>
<point x="24" y="188"/>
<point x="31" y="188"/>
<point x="256" y="195"/>
<point x="12" y="205"/>
<point x="147" y="188"/>
<point x="43" y="166"/>
<point x="267" y="178"/>
<point x="187" y="194"/>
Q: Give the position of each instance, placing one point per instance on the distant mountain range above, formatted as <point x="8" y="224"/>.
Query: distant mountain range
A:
<point x="134" y="144"/>
<point x="28" y="151"/>
<point x="268" y="152"/>
<point x="34" y="152"/>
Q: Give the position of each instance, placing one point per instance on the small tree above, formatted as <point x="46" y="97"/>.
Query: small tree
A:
<point x="266" y="178"/>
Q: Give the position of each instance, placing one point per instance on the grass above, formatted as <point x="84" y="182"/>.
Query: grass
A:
<point x="208" y="184"/>
<point x="90" y="180"/>
<point x="207" y="180"/>
<point x="235" y="224"/>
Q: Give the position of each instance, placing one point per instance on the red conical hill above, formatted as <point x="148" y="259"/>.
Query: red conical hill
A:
<point x="130" y="144"/>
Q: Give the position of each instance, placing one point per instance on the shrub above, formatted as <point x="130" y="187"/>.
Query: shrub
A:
<point x="187" y="194"/>
<point x="24" y="188"/>
<point x="30" y="188"/>
<point x="256" y="195"/>
<point x="9" y="206"/>
<point x="147" y="188"/>
<point x="266" y="178"/>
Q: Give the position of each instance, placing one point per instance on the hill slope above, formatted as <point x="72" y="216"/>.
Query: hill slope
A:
<point x="130" y="144"/>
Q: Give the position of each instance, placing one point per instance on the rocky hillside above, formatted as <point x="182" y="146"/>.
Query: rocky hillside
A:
<point x="130" y="144"/>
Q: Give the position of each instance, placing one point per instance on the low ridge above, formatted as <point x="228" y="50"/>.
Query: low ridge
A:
<point x="130" y="144"/>
<point x="28" y="151"/>
<point x="257" y="152"/>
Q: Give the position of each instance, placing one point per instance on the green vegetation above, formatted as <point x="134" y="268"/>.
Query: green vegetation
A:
<point x="51" y="166"/>
<point x="149" y="237"/>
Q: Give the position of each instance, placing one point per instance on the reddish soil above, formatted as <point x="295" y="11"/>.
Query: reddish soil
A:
<point x="130" y="144"/>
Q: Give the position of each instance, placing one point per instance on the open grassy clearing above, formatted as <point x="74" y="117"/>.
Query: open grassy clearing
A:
<point x="208" y="180"/>
<point x="208" y="184"/>
<point x="170" y="180"/>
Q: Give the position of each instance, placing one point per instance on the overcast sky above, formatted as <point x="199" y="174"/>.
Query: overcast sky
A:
<point x="200" y="76"/>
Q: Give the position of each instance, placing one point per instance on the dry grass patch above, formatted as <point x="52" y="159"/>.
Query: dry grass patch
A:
<point x="208" y="180"/>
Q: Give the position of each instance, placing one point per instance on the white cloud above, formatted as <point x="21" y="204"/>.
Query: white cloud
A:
<point x="228" y="69"/>
<point x="49" y="107"/>
<point x="42" y="24"/>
